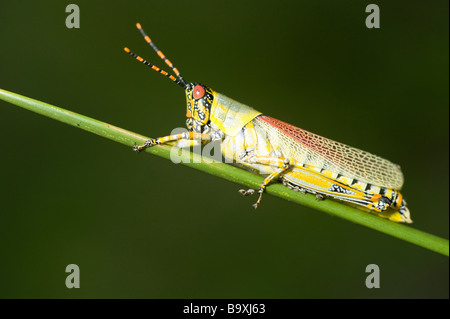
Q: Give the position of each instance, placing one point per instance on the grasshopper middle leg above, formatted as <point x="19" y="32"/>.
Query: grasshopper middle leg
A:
<point x="282" y="164"/>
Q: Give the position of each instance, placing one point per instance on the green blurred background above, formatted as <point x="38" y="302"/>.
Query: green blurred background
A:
<point x="68" y="196"/>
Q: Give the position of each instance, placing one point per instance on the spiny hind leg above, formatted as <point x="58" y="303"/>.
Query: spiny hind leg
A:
<point x="171" y="138"/>
<point x="281" y="163"/>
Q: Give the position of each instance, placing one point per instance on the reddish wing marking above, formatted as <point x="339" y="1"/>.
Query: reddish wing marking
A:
<point x="343" y="159"/>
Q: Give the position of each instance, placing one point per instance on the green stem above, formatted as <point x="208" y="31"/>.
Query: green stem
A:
<point x="231" y="173"/>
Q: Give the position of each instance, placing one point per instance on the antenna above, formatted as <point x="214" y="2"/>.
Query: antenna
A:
<point x="161" y="55"/>
<point x="180" y="82"/>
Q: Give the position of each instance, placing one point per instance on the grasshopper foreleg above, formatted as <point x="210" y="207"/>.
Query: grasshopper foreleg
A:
<point x="172" y="138"/>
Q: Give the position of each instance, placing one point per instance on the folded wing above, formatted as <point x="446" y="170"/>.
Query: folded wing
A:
<point x="311" y="149"/>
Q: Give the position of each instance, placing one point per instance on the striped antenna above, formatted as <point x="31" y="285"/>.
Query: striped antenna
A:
<point x="161" y="55"/>
<point x="180" y="82"/>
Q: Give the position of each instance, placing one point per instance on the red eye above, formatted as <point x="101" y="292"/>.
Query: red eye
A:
<point x="199" y="91"/>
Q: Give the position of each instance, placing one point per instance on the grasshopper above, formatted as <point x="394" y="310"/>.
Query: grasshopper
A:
<point x="301" y="160"/>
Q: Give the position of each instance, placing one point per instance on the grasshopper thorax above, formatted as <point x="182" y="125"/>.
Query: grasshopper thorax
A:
<point x="199" y="100"/>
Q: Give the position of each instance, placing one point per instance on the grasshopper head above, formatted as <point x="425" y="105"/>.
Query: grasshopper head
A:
<point x="199" y="99"/>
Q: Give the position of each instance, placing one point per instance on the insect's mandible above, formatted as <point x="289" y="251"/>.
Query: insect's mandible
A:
<point x="301" y="160"/>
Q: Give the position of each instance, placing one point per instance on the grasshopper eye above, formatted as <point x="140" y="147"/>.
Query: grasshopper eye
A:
<point x="199" y="92"/>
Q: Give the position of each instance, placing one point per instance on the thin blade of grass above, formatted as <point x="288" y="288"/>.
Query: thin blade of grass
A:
<point x="233" y="174"/>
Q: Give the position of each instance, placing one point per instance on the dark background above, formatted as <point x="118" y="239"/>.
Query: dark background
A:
<point x="143" y="227"/>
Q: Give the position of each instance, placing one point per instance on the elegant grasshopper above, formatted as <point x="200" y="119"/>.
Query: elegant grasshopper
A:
<point x="303" y="161"/>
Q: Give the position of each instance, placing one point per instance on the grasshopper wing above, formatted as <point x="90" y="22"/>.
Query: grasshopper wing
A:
<point x="311" y="149"/>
